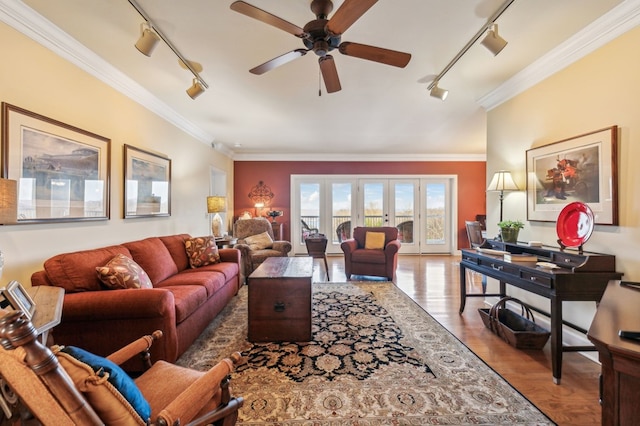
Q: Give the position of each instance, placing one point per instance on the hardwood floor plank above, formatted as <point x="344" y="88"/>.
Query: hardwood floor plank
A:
<point x="433" y="282"/>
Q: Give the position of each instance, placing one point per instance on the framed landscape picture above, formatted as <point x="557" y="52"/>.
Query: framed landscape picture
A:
<point x="147" y="184"/>
<point x="583" y="168"/>
<point x="62" y="171"/>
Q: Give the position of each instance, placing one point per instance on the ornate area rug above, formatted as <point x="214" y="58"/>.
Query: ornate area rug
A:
<point x="377" y="358"/>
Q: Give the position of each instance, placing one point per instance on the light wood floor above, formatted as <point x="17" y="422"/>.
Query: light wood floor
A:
<point x="433" y="282"/>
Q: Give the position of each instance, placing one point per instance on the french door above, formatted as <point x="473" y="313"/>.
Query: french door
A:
<point x="419" y="206"/>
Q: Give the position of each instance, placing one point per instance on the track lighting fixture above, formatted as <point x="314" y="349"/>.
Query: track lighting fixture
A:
<point x="148" y="40"/>
<point x="151" y="34"/>
<point x="493" y="41"/>
<point x="195" y="90"/>
<point x="438" y="92"/>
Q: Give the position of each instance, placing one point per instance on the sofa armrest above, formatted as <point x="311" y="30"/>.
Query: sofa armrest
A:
<point x="230" y="255"/>
<point x="349" y="246"/>
<point x="119" y="304"/>
<point x="282" y="246"/>
<point x="392" y="247"/>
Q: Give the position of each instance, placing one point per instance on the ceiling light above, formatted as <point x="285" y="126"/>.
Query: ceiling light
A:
<point x="493" y="41"/>
<point x="148" y="40"/>
<point x="438" y="92"/>
<point x="196" y="89"/>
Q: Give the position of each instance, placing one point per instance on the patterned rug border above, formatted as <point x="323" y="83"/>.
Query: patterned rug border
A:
<point x="466" y="388"/>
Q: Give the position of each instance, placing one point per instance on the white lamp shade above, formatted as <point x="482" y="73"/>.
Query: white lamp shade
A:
<point x="502" y="181"/>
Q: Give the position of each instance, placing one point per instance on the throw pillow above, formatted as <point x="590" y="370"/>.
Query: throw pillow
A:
<point x="374" y="240"/>
<point x="123" y="272"/>
<point x="202" y="251"/>
<point x="260" y="241"/>
<point x="110" y="391"/>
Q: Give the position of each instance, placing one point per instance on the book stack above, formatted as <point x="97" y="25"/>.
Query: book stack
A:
<point x="522" y="257"/>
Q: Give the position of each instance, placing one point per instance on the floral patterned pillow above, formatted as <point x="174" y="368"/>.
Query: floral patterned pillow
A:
<point x="122" y="272"/>
<point x="202" y="251"/>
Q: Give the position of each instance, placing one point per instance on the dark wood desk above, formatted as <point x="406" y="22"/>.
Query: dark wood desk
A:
<point x="581" y="277"/>
<point x="620" y="358"/>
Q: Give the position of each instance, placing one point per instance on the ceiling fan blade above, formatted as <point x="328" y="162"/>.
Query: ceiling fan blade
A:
<point x="348" y="13"/>
<point x="267" y="18"/>
<point x="376" y="54"/>
<point x="277" y="61"/>
<point x="329" y="74"/>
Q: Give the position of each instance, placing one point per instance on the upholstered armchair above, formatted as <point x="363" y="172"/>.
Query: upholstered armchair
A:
<point x="68" y="386"/>
<point x="254" y="245"/>
<point x="372" y="251"/>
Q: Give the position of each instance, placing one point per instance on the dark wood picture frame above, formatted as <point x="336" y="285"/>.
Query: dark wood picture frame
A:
<point x="62" y="171"/>
<point x="583" y="168"/>
<point x="147" y="184"/>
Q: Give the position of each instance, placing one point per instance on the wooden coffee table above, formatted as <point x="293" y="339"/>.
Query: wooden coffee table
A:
<point x="280" y="300"/>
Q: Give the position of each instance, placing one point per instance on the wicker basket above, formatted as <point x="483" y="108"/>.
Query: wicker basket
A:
<point x="520" y="331"/>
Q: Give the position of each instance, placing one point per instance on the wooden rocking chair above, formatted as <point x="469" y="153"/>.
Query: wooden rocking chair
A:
<point x="57" y="387"/>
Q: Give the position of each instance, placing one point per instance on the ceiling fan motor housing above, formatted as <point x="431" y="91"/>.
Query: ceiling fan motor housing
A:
<point x="319" y="40"/>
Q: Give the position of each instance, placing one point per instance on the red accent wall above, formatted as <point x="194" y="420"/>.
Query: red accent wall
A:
<point x="276" y="174"/>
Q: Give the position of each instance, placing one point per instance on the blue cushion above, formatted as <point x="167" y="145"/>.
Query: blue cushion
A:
<point x="117" y="377"/>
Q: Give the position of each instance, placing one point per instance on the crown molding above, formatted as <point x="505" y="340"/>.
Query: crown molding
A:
<point x="33" y="25"/>
<point x="608" y="27"/>
<point x="359" y="157"/>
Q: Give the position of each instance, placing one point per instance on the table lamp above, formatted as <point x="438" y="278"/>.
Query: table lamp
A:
<point x="502" y="181"/>
<point x="216" y="204"/>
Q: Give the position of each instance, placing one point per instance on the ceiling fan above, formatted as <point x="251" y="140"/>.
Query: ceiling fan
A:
<point x="323" y="35"/>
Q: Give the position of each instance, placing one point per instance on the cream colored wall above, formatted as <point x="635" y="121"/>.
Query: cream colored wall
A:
<point x="33" y="78"/>
<point x="600" y="90"/>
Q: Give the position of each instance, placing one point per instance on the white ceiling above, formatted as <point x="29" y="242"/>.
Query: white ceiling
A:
<point x="381" y="110"/>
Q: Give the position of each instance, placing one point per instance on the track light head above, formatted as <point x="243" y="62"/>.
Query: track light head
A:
<point x="438" y="92"/>
<point x="148" y="40"/>
<point x="196" y="89"/>
<point x="493" y="41"/>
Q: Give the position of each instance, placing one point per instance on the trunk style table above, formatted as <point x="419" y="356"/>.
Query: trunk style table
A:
<point x="280" y="300"/>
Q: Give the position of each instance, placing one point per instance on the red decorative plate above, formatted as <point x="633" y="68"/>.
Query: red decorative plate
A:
<point x="575" y="224"/>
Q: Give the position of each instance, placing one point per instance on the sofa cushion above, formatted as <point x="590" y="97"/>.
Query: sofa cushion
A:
<point x="154" y="257"/>
<point x="77" y="271"/>
<point x="260" y="241"/>
<point x="123" y="272"/>
<point x="368" y="256"/>
<point x="212" y="281"/>
<point x="201" y="251"/>
<point x="187" y="299"/>
<point x="110" y="391"/>
<point x="175" y="245"/>
<point x="374" y="240"/>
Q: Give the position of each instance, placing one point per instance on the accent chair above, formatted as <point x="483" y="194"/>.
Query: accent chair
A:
<point x="372" y="251"/>
<point x="254" y="245"/>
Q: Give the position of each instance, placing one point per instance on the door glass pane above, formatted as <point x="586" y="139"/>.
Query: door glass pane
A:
<point x="373" y="204"/>
<point x="404" y="211"/>
<point x="340" y="212"/>
<point x="435" y="225"/>
<point x="309" y="209"/>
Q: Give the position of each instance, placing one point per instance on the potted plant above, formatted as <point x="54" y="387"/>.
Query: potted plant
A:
<point x="509" y="230"/>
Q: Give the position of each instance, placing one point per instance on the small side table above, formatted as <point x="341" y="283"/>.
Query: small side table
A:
<point x="226" y="242"/>
<point x="277" y="230"/>
<point x="48" y="313"/>
<point x="317" y="247"/>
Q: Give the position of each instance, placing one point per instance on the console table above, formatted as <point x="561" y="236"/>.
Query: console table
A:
<point x="579" y="277"/>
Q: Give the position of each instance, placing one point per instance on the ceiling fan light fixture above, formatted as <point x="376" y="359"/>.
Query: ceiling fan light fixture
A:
<point x="438" y="92"/>
<point x="196" y="89"/>
<point x="148" y="40"/>
<point x="492" y="41"/>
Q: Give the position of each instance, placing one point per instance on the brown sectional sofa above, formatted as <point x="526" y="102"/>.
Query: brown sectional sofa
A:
<point x="182" y="302"/>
